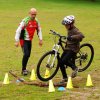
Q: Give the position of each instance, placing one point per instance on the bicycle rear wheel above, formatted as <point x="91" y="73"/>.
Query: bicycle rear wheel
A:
<point x="47" y="66"/>
<point x="84" y="57"/>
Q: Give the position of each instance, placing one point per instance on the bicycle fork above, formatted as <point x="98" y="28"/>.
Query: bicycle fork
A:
<point x="55" y="49"/>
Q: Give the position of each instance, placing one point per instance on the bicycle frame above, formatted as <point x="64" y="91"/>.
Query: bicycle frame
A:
<point x="55" y="48"/>
<point x="56" y="53"/>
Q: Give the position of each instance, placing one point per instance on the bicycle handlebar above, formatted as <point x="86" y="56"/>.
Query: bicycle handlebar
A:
<point x="55" y="33"/>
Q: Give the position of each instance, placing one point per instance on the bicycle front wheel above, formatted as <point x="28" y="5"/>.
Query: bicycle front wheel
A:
<point x="47" y="66"/>
<point x="84" y="57"/>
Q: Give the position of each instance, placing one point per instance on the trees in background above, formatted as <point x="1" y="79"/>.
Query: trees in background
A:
<point x="93" y="0"/>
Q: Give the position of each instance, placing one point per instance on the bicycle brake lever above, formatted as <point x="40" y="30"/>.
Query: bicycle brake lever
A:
<point x="64" y="37"/>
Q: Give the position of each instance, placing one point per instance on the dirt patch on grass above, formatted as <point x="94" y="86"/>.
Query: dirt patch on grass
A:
<point x="83" y="92"/>
<point x="79" y="92"/>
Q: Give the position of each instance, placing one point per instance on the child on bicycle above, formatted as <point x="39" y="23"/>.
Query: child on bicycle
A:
<point x="74" y="37"/>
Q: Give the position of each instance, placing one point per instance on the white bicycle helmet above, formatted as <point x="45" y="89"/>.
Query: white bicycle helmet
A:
<point x="68" y="20"/>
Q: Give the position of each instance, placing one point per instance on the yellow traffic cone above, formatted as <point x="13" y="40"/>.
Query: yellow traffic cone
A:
<point x="89" y="81"/>
<point x="47" y="73"/>
<point x="69" y="83"/>
<point x="33" y="77"/>
<point x="51" y="86"/>
<point x="6" y="79"/>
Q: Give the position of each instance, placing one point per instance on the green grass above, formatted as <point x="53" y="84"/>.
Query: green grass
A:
<point x="50" y="14"/>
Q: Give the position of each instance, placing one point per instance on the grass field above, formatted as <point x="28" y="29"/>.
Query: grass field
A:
<point x="50" y="14"/>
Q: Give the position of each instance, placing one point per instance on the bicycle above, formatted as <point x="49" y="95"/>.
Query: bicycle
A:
<point x="49" y="60"/>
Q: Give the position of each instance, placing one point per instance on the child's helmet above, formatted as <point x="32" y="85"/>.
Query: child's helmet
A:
<point x="68" y="20"/>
